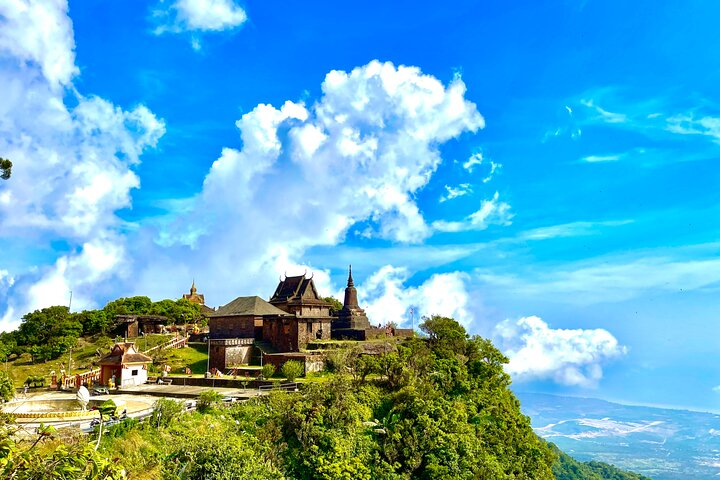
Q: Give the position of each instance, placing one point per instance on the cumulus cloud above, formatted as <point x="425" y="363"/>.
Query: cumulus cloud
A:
<point x="568" y="357"/>
<point x="491" y="212"/>
<point x="72" y="164"/>
<point x="387" y="298"/>
<point x="307" y="173"/>
<point x="39" y="32"/>
<point x="197" y="16"/>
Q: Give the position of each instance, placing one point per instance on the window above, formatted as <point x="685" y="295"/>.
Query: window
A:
<point x="310" y="325"/>
<point x="134" y="372"/>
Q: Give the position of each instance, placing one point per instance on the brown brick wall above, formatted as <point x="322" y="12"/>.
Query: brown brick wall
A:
<point x="232" y="327"/>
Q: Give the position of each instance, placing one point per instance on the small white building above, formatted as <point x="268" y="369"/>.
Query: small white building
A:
<point x="125" y="365"/>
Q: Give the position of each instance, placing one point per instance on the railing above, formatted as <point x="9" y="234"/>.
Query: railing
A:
<point x="74" y="381"/>
<point x="290" y="387"/>
<point x="232" y="341"/>
<point x="176" y="342"/>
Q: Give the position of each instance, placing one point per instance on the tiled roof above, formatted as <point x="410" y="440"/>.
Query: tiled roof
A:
<point x="255" y="306"/>
<point x="122" y="353"/>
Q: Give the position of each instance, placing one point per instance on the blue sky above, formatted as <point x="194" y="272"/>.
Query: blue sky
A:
<point x="545" y="172"/>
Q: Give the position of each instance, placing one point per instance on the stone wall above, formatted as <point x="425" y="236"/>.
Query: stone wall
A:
<point x="228" y="353"/>
<point x="314" y="362"/>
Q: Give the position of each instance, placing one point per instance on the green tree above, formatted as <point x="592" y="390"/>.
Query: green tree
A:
<point x="292" y="369"/>
<point x="5" y="168"/>
<point x="139" y="305"/>
<point x="7" y="387"/>
<point x="335" y="304"/>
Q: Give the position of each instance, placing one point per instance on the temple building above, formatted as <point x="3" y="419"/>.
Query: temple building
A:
<point x="198" y="298"/>
<point x="309" y="318"/>
<point x="278" y="330"/>
<point x="235" y="327"/>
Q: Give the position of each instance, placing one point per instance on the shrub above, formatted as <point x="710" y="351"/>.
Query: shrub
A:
<point x="164" y="410"/>
<point x="292" y="369"/>
<point x="207" y="400"/>
<point x="268" y="370"/>
<point x="35" y="381"/>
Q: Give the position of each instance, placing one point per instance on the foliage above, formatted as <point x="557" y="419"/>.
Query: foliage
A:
<point x="164" y="411"/>
<point x="35" y="380"/>
<point x="7" y="388"/>
<point x="208" y="400"/>
<point x="292" y="369"/>
<point x="432" y="408"/>
<point x="268" y="370"/>
<point x="49" y="458"/>
<point x="48" y="333"/>
<point x="6" y="168"/>
<point x="335" y="304"/>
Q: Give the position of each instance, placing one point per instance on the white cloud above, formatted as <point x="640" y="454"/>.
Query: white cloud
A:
<point x="454" y="192"/>
<point x="307" y="173"/>
<point x="568" y="357"/>
<point x="604" y="115"/>
<point x="475" y="159"/>
<point x="600" y="158"/>
<point x="688" y="125"/>
<point x="72" y="165"/>
<point x="573" y="229"/>
<point x="386" y="298"/>
<point x="491" y="212"/>
<point x="198" y="16"/>
<point x="38" y="32"/>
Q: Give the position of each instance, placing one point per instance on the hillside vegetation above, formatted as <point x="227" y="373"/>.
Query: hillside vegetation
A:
<point x="435" y="408"/>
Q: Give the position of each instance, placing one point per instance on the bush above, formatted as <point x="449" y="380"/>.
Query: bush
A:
<point x="268" y="370"/>
<point x="292" y="369"/>
<point x="164" y="411"/>
<point x="35" y="381"/>
<point x="207" y="400"/>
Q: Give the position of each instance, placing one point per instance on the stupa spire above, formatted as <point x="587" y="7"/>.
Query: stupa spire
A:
<point x="350" y="279"/>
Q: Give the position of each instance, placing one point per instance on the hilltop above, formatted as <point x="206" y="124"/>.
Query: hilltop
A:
<point x="434" y="407"/>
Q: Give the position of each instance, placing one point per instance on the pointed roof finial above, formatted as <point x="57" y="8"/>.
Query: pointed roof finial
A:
<point x="350" y="279"/>
<point x="193" y="290"/>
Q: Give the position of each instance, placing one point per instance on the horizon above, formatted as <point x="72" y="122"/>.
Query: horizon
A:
<point x="546" y="174"/>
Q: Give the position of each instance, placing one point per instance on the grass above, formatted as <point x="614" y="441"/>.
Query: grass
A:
<point x="86" y="352"/>
<point x="194" y="356"/>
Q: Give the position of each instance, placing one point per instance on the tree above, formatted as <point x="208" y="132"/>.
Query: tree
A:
<point x="49" y="332"/>
<point x="292" y="369"/>
<point x="7" y="387"/>
<point x="336" y="305"/>
<point x="6" y="168"/>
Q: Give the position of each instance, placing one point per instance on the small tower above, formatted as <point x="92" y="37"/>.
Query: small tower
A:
<point x="351" y="316"/>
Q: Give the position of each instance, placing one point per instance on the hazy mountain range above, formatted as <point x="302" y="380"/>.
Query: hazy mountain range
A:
<point x="664" y="444"/>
